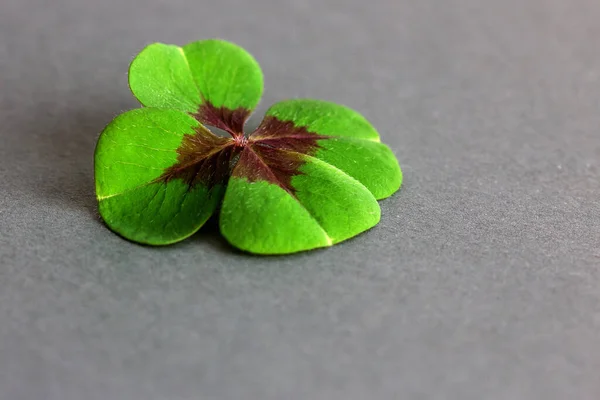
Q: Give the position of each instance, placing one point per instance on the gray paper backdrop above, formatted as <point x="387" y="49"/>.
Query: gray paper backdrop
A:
<point x="480" y="282"/>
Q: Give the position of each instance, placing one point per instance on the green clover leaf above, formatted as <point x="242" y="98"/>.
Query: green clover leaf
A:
<point x="309" y="176"/>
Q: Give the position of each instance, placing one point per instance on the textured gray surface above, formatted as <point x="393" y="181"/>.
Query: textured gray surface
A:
<point x="481" y="281"/>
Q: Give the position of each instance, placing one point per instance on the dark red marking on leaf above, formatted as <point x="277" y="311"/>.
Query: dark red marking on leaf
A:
<point x="273" y="152"/>
<point x="285" y="135"/>
<point x="261" y="163"/>
<point x="202" y="158"/>
<point x="231" y="121"/>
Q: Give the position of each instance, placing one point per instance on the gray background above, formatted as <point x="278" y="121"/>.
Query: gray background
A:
<point x="480" y="282"/>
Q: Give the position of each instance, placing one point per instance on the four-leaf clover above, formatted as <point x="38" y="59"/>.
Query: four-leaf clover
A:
<point x="309" y="176"/>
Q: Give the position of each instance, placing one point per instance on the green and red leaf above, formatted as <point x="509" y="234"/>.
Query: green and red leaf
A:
<point x="307" y="177"/>
<point x="138" y="197"/>
<point x="335" y="134"/>
<point x="217" y="81"/>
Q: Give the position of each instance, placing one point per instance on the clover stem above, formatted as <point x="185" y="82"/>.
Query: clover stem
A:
<point x="240" y="140"/>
